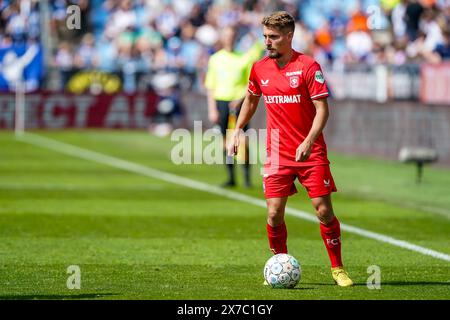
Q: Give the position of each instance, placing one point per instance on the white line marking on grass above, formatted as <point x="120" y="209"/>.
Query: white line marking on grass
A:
<point x="68" y="187"/>
<point x="86" y="154"/>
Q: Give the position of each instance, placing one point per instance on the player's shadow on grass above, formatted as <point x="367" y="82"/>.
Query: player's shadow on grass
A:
<point x="57" y="296"/>
<point x="415" y="283"/>
<point x="387" y="283"/>
<point x="331" y="284"/>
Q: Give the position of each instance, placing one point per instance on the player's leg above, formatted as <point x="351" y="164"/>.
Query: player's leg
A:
<point x="330" y="231"/>
<point x="278" y="186"/>
<point x="320" y="184"/>
<point x="224" y="112"/>
<point x="276" y="227"/>
<point x="246" y="165"/>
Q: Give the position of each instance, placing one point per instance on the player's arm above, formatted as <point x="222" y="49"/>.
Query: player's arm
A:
<point x="319" y="122"/>
<point x="247" y="111"/>
<point x="213" y="113"/>
<point x="210" y="85"/>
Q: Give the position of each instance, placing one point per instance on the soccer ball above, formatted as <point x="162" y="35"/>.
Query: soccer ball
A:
<point x="282" y="271"/>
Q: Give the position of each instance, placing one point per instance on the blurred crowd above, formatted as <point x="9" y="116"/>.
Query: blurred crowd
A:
<point x="134" y="38"/>
<point x="19" y="22"/>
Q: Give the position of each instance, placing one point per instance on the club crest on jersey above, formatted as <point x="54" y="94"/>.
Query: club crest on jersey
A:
<point x="319" y="77"/>
<point x="294" y="81"/>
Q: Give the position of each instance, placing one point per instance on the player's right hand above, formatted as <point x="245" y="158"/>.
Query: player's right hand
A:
<point x="233" y="145"/>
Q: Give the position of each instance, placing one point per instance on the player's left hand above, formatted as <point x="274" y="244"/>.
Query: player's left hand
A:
<point x="303" y="151"/>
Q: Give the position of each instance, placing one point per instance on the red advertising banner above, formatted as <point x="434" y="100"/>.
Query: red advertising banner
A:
<point x="435" y="84"/>
<point x="63" y="110"/>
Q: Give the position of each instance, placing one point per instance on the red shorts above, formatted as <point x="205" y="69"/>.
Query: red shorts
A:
<point x="317" y="181"/>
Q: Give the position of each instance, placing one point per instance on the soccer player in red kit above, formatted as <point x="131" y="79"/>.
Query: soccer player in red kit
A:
<point x="295" y="95"/>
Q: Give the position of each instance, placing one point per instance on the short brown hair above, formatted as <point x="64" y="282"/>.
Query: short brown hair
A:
<point x="280" y="20"/>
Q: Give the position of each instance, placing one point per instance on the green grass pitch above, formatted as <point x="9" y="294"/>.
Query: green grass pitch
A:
<point x="136" y="237"/>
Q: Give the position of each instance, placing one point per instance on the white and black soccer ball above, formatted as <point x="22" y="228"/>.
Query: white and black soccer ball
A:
<point x="282" y="271"/>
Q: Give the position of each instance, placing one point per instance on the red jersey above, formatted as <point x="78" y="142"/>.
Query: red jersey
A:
<point x="288" y="93"/>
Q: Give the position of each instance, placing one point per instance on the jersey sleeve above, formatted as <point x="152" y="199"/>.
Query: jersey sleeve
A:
<point x="253" y="86"/>
<point x="315" y="81"/>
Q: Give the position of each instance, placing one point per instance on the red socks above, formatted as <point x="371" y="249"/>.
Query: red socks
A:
<point x="331" y="235"/>
<point x="277" y="238"/>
